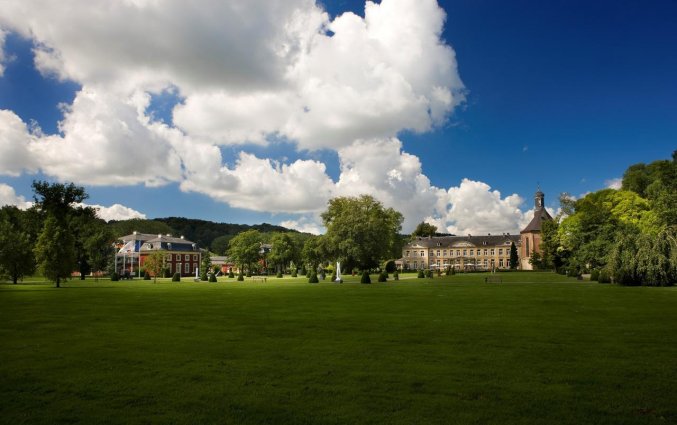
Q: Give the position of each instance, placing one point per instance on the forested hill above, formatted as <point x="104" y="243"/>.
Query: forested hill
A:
<point x="201" y="231"/>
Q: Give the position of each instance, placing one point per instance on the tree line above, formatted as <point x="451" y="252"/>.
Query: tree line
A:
<point x="628" y="236"/>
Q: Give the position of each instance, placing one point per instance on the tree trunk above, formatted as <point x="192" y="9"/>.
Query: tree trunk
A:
<point x="58" y="281"/>
<point x="14" y="279"/>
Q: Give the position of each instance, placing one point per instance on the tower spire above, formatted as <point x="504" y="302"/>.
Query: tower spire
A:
<point x="539" y="199"/>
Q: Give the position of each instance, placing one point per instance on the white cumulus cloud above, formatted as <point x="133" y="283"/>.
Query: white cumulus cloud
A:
<point x="116" y="212"/>
<point x="8" y="196"/>
<point x="614" y="183"/>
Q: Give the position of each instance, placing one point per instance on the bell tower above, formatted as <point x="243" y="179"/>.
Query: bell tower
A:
<point x="531" y="235"/>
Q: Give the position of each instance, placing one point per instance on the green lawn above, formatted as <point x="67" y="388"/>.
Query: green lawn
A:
<point x="536" y="349"/>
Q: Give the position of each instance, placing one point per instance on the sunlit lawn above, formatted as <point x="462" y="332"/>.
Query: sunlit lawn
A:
<point x="536" y="349"/>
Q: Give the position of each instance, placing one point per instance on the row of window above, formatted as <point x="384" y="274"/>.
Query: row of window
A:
<point x="188" y="268"/>
<point x="458" y="252"/>
<point x="177" y="257"/>
<point x="457" y="263"/>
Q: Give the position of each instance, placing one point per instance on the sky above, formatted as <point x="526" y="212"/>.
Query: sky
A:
<point x="452" y="112"/>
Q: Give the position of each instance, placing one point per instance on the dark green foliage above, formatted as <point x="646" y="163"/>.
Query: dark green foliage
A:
<point x="313" y="277"/>
<point x="396" y="275"/>
<point x="604" y="276"/>
<point x="240" y="276"/>
<point x="383" y="277"/>
<point x="114" y="277"/>
<point x="55" y="251"/>
<point x="389" y="266"/>
<point x="421" y="274"/>
<point x="293" y="272"/>
<point x="16" y="244"/>
<point x="204" y="276"/>
<point x="176" y="277"/>
<point x="146" y="275"/>
<point x="429" y="274"/>
<point x="594" y="275"/>
<point x="212" y="277"/>
<point x="514" y="258"/>
<point x="231" y="274"/>
<point x="167" y="273"/>
<point x="424" y="229"/>
<point x="205" y="264"/>
<point x="279" y="274"/>
<point x="304" y="271"/>
<point x="249" y="273"/>
<point x="365" y="277"/>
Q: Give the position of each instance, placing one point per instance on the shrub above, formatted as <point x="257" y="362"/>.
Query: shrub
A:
<point x="604" y="276"/>
<point x="453" y="271"/>
<point x="594" y="275"/>
<point x="313" y="277"/>
<point x="146" y="275"/>
<point x="114" y="277"/>
<point x="421" y="275"/>
<point x="365" y="277"/>
<point x="240" y="277"/>
<point x="231" y="274"/>
<point x="429" y="274"/>
<point x="166" y="272"/>
<point x="212" y="277"/>
<point x="293" y="272"/>
<point x="389" y="266"/>
<point x="176" y="277"/>
<point x="203" y="276"/>
<point x="383" y="277"/>
<point x="396" y="275"/>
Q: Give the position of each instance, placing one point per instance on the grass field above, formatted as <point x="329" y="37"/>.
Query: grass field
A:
<point x="536" y="349"/>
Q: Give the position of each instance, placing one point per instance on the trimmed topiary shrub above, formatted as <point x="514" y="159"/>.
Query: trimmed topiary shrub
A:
<point x="594" y="275"/>
<point x="383" y="277"/>
<point x="176" y="277"/>
<point x="166" y="272"/>
<point x="240" y="276"/>
<point x="421" y="275"/>
<point x="279" y="274"/>
<point x="212" y="277"/>
<point x="429" y="274"/>
<point x="146" y="275"/>
<point x="203" y="276"/>
<point x="365" y="277"/>
<point x="114" y="277"/>
<point x="396" y="275"/>
<point x="313" y="277"/>
<point x="231" y="274"/>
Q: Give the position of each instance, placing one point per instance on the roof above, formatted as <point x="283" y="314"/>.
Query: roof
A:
<point x="459" y="241"/>
<point x="534" y="225"/>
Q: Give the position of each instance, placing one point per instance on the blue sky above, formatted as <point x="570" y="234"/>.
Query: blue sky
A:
<point x="565" y="94"/>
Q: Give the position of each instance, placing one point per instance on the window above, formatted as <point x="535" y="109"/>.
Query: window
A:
<point x="415" y="265"/>
<point x="527" y="247"/>
<point x="186" y="257"/>
<point x="500" y="263"/>
<point x="458" y="252"/>
<point x="492" y="252"/>
<point x="422" y="253"/>
<point x="177" y="257"/>
<point x="465" y="252"/>
<point x="485" y="252"/>
<point x="194" y="257"/>
<point x="444" y="252"/>
<point x="178" y="267"/>
<point x="472" y="252"/>
<point x="168" y="257"/>
<point x="407" y="254"/>
<point x="438" y="252"/>
<point x="500" y="251"/>
<point x="485" y="263"/>
<point x="446" y="262"/>
<point x="186" y="267"/>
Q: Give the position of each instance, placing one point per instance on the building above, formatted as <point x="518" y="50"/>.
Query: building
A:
<point x="531" y="235"/>
<point x="460" y="252"/>
<point x="182" y="256"/>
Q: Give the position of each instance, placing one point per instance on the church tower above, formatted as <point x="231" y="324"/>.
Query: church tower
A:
<point x="531" y="235"/>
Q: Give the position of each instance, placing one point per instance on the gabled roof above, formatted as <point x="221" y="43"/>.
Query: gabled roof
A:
<point x="460" y="241"/>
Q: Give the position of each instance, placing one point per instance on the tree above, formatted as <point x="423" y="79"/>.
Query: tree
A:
<point x="282" y="251"/>
<point x="360" y="230"/>
<point x="245" y="248"/>
<point x="424" y="229"/>
<point x="154" y="263"/>
<point x="99" y="248"/>
<point x="16" y="248"/>
<point x="514" y="259"/>
<point x="55" y="251"/>
<point x="312" y="252"/>
<point x="205" y="264"/>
